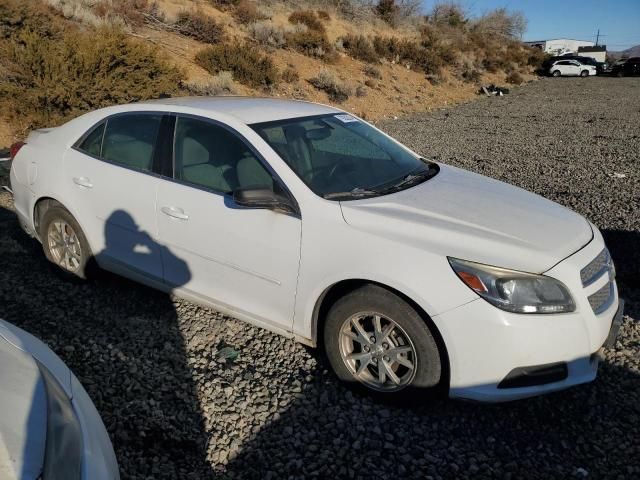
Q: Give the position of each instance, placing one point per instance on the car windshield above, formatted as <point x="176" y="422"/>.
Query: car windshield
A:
<point x="340" y="157"/>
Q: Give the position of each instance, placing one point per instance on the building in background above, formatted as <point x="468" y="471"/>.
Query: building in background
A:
<point x="597" y="52"/>
<point x="560" y="46"/>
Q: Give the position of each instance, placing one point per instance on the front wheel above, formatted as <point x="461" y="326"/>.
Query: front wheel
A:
<point x="584" y="73"/>
<point x="64" y="243"/>
<point x="374" y="339"/>
<point x="556" y="73"/>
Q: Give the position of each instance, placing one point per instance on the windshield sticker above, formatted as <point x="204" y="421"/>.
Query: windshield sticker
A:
<point x="345" y="118"/>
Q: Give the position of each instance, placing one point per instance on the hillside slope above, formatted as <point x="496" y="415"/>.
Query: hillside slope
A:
<point x="350" y="58"/>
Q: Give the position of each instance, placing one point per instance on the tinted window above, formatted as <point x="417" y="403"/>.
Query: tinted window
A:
<point x="130" y="140"/>
<point x="93" y="142"/>
<point x="213" y="157"/>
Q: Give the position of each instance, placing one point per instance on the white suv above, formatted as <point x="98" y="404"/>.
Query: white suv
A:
<point x="305" y="220"/>
<point x="572" y="68"/>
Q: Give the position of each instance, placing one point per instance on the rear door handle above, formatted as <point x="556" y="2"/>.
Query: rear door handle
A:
<point x="83" y="182"/>
<point x="175" y="212"/>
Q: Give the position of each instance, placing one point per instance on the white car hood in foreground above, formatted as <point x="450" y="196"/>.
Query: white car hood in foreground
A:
<point x="469" y="216"/>
<point x="23" y="414"/>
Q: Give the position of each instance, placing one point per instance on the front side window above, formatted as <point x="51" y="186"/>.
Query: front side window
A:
<point x="130" y="140"/>
<point x="341" y="157"/>
<point x="211" y="156"/>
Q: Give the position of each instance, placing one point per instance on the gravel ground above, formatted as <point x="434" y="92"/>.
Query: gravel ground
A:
<point x="177" y="403"/>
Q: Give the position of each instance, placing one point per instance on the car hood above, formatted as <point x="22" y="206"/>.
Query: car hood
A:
<point x="465" y="215"/>
<point x="23" y="414"/>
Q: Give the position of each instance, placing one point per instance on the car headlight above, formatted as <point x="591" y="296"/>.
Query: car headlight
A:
<point x="63" y="451"/>
<point x="514" y="291"/>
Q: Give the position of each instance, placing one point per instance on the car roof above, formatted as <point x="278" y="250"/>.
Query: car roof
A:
<point x="249" y="110"/>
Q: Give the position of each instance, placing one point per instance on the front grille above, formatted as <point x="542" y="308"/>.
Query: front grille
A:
<point x="596" y="268"/>
<point x="601" y="300"/>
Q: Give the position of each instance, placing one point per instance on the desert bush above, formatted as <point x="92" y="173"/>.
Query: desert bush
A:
<point x="451" y="14"/>
<point x="471" y="74"/>
<point x="372" y="71"/>
<point x="502" y="22"/>
<point x="17" y="16"/>
<point x="308" y="18"/>
<point x="248" y="65"/>
<point x="514" y="78"/>
<point x="52" y="80"/>
<point x="429" y="59"/>
<point x="323" y="15"/>
<point x="359" y="47"/>
<point x="327" y="81"/>
<point x="267" y="33"/>
<point x="290" y="75"/>
<point x="387" y="10"/>
<point x="247" y="12"/>
<point x="361" y="91"/>
<point x="196" y="24"/>
<point x="311" y="43"/>
<point x="220" y="84"/>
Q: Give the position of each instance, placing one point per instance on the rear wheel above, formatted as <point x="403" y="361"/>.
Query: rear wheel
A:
<point x="64" y="243"/>
<point x="584" y="73"/>
<point x="376" y="341"/>
<point x="556" y="73"/>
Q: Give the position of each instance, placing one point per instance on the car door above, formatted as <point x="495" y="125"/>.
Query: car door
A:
<point x="113" y="185"/>
<point x="243" y="259"/>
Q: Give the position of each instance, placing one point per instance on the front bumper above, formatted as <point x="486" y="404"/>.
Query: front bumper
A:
<point x="499" y="356"/>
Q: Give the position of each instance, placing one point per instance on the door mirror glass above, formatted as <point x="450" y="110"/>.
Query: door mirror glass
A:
<point x="265" y="198"/>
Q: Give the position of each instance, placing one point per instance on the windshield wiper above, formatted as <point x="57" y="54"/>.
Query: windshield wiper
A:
<point x="411" y="179"/>
<point x="355" y="193"/>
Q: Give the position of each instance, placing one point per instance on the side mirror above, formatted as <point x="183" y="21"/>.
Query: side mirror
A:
<point x="260" y="197"/>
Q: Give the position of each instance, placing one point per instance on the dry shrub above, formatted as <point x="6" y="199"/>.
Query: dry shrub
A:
<point x="248" y="65"/>
<point x="387" y="10"/>
<point x="361" y="91"/>
<point x="52" y="80"/>
<point x="323" y="15"/>
<point x="17" y="15"/>
<point x="373" y="72"/>
<point x="290" y="75"/>
<point x="267" y="33"/>
<point x="327" y="81"/>
<point x="220" y="84"/>
<point x="514" y="78"/>
<point x="196" y="24"/>
<point x="430" y="59"/>
<point x="308" y="18"/>
<point x="359" y="47"/>
<point x="311" y="43"/>
<point x="247" y="12"/>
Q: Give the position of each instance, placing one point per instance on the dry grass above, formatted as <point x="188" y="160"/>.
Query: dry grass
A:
<point x="220" y="84"/>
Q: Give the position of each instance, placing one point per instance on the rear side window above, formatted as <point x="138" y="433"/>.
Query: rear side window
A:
<point x="92" y="143"/>
<point x="130" y="140"/>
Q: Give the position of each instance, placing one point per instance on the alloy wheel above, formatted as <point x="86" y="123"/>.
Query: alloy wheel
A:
<point x="64" y="245"/>
<point x="378" y="352"/>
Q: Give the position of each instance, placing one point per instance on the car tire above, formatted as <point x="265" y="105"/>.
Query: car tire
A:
<point x="555" y="73"/>
<point x="584" y="73"/>
<point x="65" y="244"/>
<point x="402" y="346"/>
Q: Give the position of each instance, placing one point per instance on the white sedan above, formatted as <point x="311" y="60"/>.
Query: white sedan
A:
<point x="308" y="221"/>
<point x="49" y="428"/>
<point x="571" y="68"/>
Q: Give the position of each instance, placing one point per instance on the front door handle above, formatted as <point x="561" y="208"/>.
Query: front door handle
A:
<point x="83" y="182"/>
<point x="175" y="212"/>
